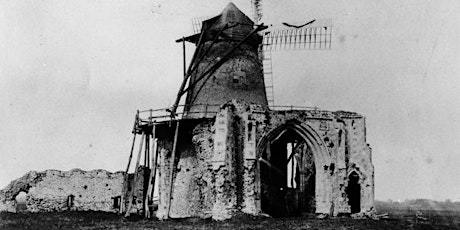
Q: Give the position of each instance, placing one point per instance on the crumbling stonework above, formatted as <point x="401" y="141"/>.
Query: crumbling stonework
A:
<point x="193" y="184"/>
<point x="140" y="188"/>
<point x="218" y="167"/>
<point x="54" y="190"/>
<point x="246" y="158"/>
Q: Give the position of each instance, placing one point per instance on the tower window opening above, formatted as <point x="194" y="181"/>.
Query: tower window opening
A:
<point x="21" y="199"/>
<point x="354" y="193"/>
<point x="250" y="131"/>
<point x="70" y="201"/>
<point x="116" y="202"/>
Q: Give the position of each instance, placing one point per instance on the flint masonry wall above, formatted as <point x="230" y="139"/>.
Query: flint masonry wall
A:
<point x="50" y="190"/>
<point x="216" y="172"/>
<point x="360" y="160"/>
<point x="193" y="185"/>
<point x="139" y="187"/>
<point x="344" y="135"/>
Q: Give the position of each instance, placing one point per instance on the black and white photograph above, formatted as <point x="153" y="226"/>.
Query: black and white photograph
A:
<point x="218" y="114"/>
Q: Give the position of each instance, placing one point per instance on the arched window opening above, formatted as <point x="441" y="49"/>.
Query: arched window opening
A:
<point x="70" y="201"/>
<point x="250" y="131"/>
<point x="21" y="204"/>
<point x="116" y="202"/>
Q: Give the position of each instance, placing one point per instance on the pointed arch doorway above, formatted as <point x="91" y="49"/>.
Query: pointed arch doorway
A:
<point x="354" y="192"/>
<point x="289" y="156"/>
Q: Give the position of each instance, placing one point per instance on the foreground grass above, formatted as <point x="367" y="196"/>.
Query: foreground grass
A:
<point x="101" y="220"/>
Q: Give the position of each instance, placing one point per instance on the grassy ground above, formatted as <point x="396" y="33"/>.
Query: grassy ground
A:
<point x="101" y="220"/>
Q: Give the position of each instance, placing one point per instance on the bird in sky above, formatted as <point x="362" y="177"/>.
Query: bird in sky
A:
<point x="297" y="27"/>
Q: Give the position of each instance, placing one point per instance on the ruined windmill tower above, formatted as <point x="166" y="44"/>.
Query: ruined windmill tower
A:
<point x="240" y="75"/>
<point x="226" y="152"/>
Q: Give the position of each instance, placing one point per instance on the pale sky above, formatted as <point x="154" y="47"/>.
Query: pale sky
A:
<point x="73" y="73"/>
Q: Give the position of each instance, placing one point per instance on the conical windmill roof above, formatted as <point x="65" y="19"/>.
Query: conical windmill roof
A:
<point x="240" y="26"/>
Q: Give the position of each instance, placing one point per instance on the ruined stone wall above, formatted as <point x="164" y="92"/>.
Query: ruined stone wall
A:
<point x="360" y="160"/>
<point x="344" y="135"/>
<point x="212" y="177"/>
<point x="140" y="187"/>
<point x="217" y="173"/>
<point x="193" y="185"/>
<point x="50" y="190"/>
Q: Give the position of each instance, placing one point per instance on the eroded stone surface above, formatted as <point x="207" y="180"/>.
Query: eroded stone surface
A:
<point x="51" y="190"/>
<point x="206" y="185"/>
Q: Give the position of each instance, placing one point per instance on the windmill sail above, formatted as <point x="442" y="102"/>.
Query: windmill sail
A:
<point x="298" y="38"/>
<point x="311" y="35"/>
<point x="256" y="10"/>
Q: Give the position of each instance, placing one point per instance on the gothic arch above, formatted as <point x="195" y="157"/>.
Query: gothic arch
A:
<point x="357" y="172"/>
<point x="354" y="191"/>
<point x="321" y="155"/>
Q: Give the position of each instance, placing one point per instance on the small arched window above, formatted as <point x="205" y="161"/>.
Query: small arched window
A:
<point x="70" y="201"/>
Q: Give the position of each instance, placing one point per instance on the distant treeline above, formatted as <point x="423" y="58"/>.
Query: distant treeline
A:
<point x="418" y="204"/>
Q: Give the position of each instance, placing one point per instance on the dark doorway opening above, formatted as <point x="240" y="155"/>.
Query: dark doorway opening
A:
<point x="287" y="172"/>
<point x="70" y="201"/>
<point x="116" y="202"/>
<point x="21" y="201"/>
<point x="354" y="192"/>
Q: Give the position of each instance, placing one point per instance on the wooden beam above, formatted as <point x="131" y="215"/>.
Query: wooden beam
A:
<point x="151" y="182"/>
<point x="130" y="199"/>
<point x="171" y="167"/>
<point x="292" y="165"/>
<point x="186" y="77"/>
<point x="125" y="180"/>
<point x="146" y="152"/>
<point x="278" y="136"/>
<point x="194" y="65"/>
<point x="146" y="165"/>
<point x="213" y="68"/>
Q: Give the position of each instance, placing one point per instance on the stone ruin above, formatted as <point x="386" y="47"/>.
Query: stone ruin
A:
<point x="74" y="190"/>
<point x="243" y="156"/>
<point x="54" y="190"/>
<point x="227" y="152"/>
<point x="281" y="163"/>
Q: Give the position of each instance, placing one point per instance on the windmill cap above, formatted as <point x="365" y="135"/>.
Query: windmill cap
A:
<point x="239" y="25"/>
<point x="231" y="14"/>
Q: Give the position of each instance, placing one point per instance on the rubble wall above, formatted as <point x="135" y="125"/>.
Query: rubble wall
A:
<point x="217" y="174"/>
<point x="360" y="160"/>
<point x="193" y="185"/>
<point x="50" y="190"/>
<point x="140" y="187"/>
<point x="344" y="136"/>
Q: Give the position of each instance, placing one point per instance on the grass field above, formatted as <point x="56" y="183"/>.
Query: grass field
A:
<point x="100" y="220"/>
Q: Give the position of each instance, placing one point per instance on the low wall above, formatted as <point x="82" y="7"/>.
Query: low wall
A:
<point x="54" y="190"/>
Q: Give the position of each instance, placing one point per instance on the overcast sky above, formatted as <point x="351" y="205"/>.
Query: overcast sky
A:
<point x="73" y="73"/>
